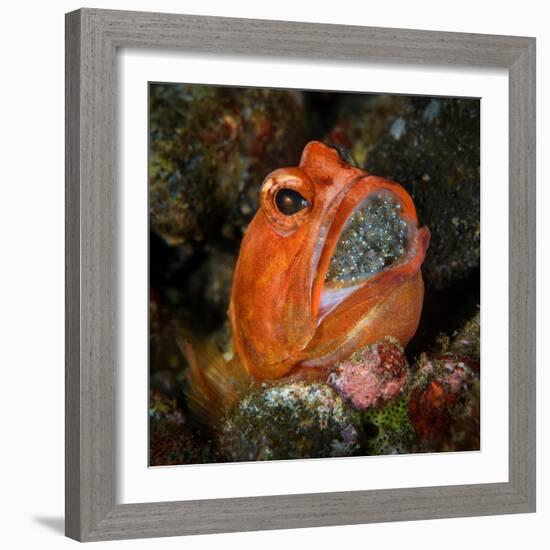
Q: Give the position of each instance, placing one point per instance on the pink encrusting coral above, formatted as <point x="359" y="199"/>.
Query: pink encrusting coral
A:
<point x="372" y="376"/>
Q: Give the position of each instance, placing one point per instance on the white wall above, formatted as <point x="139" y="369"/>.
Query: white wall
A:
<point x="31" y="218"/>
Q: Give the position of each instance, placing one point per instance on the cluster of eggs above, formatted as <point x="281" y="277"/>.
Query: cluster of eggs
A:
<point x="374" y="237"/>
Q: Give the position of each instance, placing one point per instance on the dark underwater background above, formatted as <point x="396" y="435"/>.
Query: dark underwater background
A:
<point x="210" y="149"/>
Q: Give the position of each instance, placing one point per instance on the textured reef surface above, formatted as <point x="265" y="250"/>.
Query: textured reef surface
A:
<point x="210" y="149"/>
<point x="290" y="420"/>
<point x="431" y="147"/>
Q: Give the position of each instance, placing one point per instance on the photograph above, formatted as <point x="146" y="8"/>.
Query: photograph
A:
<point x="283" y="266"/>
<point x="314" y="274"/>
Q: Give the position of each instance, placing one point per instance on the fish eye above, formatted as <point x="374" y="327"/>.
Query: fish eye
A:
<point x="289" y="201"/>
<point x="286" y="199"/>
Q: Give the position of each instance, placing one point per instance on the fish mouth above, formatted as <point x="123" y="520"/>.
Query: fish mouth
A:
<point x="374" y="236"/>
<point x="364" y="240"/>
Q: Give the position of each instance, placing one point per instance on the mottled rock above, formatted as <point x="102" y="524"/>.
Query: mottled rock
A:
<point x="374" y="382"/>
<point x="466" y="340"/>
<point x="171" y="440"/>
<point x="372" y="376"/>
<point x="210" y="149"/>
<point x="431" y="147"/>
<point x="167" y="382"/>
<point x="444" y="403"/>
<point x="362" y="121"/>
<point x="290" y="420"/>
<point x="164" y="326"/>
<point x="463" y="341"/>
<point x="209" y="286"/>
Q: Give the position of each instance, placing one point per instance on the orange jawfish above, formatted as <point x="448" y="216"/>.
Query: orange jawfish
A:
<point x="329" y="264"/>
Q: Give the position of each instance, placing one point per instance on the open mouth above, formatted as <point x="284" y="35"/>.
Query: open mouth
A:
<point x="374" y="237"/>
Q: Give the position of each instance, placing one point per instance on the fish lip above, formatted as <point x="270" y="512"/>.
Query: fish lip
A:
<point x="331" y="294"/>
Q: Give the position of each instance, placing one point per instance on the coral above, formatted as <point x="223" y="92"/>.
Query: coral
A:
<point x="372" y="376"/>
<point x="388" y="429"/>
<point x="210" y="148"/>
<point x="444" y="403"/>
<point x="374" y="382"/>
<point x="465" y="341"/>
<point x="291" y="420"/>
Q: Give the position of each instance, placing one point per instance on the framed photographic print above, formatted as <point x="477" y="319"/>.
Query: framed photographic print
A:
<point x="300" y="275"/>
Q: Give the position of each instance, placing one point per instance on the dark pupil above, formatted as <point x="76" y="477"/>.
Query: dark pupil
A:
<point x="289" y="201"/>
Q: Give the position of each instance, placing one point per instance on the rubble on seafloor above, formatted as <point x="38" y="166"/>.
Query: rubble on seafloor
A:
<point x="204" y="182"/>
<point x="290" y="420"/>
<point x="372" y="404"/>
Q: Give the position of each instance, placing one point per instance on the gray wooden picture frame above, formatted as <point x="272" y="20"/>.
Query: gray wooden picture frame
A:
<point x="92" y="39"/>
